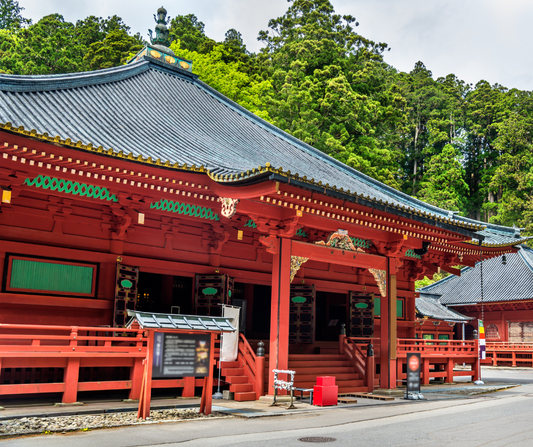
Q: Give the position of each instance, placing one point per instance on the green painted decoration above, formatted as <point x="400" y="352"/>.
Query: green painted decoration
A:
<point x="299" y="299"/>
<point x="411" y="254"/>
<point x="209" y="291"/>
<point x="69" y="187"/>
<point x="50" y="277"/>
<point x="250" y="224"/>
<point x="301" y="232"/>
<point x="185" y="209"/>
<point x="126" y="283"/>
<point x="361" y="305"/>
<point x="363" y="243"/>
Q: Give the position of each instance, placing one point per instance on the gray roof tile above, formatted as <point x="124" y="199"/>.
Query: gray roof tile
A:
<point x="510" y="282"/>
<point x="166" y="113"/>
<point x="429" y="306"/>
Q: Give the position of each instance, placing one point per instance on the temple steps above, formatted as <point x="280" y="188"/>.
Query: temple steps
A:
<point x="309" y="367"/>
<point x="239" y="384"/>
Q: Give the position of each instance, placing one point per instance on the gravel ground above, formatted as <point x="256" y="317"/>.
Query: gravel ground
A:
<point x="63" y="424"/>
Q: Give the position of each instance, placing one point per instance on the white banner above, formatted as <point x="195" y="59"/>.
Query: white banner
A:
<point x="230" y="340"/>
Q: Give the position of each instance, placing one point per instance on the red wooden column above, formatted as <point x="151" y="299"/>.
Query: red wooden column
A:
<point x="280" y="306"/>
<point x="388" y="330"/>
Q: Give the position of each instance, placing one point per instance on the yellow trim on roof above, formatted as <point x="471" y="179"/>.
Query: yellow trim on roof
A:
<point x="223" y="178"/>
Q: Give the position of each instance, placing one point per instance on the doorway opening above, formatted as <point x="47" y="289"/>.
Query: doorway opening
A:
<point x="331" y="313"/>
<point x="165" y="293"/>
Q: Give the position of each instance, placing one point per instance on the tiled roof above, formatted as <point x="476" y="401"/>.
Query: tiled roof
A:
<point x="498" y="236"/>
<point x="148" y="320"/>
<point x="154" y="113"/>
<point x="510" y="282"/>
<point x="428" y="305"/>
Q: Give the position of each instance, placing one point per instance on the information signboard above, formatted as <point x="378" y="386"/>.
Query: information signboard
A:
<point x="180" y="355"/>
<point x="413" y="372"/>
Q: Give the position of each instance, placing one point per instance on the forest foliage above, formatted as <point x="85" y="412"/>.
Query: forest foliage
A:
<point x="462" y="147"/>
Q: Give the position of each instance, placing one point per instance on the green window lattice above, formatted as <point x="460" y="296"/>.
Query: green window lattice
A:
<point x="70" y="187"/>
<point x="51" y="277"/>
<point x="185" y="209"/>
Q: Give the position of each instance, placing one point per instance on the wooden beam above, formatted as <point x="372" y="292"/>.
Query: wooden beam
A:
<point x="451" y="270"/>
<point x="338" y="256"/>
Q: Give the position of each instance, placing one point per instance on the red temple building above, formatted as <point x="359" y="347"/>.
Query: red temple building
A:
<point x="506" y="306"/>
<point x="141" y="187"/>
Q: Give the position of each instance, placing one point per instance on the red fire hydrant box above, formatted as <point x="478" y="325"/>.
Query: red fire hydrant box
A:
<point x="325" y="393"/>
<point x="325" y="381"/>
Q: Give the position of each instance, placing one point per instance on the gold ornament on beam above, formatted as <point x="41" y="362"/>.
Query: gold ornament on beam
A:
<point x="296" y="263"/>
<point x="381" y="278"/>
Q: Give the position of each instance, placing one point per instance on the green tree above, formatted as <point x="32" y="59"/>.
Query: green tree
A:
<point x="228" y="78"/>
<point x="191" y="34"/>
<point x="116" y="48"/>
<point x="513" y="176"/>
<point x="444" y="183"/>
<point x="323" y="75"/>
<point x="53" y="45"/>
<point x="11" y="15"/>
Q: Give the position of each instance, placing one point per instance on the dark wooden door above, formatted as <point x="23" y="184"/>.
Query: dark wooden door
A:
<point x="126" y="285"/>
<point x="361" y="315"/>
<point x="302" y="314"/>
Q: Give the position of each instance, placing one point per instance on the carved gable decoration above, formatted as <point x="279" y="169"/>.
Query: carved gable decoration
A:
<point x="340" y="239"/>
<point x="229" y="206"/>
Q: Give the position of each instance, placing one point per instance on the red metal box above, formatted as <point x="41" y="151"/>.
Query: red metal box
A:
<point x="324" y="396"/>
<point x="325" y="381"/>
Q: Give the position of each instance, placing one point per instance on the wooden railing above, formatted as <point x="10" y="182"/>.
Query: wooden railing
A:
<point x="253" y="365"/>
<point x="452" y="348"/>
<point x="509" y="354"/>
<point x="69" y="350"/>
<point x="355" y="348"/>
<point x="439" y="358"/>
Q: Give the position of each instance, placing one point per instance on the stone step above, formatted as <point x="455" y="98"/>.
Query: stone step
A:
<point x="317" y="363"/>
<point x="236" y="379"/>
<point x="232" y="372"/>
<point x="241" y="387"/>
<point x="244" y="397"/>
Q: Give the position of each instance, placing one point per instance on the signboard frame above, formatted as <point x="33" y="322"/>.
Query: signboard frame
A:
<point x="178" y="354"/>
<point x="414" y="367"/>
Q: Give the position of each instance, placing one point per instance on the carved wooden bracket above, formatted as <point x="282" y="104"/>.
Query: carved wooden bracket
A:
<point x="122" y="221"/>
<point x="381" y="278"/>
<point x="270" y="243"/>
<point x="215" y="237"/>
<point x="296" y="263"/>
<point x="390" y="249"/>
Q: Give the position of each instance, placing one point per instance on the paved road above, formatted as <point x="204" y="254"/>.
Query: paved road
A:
<point x="497" y="419"/>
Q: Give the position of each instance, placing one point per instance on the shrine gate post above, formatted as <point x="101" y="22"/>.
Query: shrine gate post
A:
<point x="280" y="307"/>
<point x="388" y="336"/>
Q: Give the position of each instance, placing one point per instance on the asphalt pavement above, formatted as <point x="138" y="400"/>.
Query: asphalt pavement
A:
<point x="449" y="416"/>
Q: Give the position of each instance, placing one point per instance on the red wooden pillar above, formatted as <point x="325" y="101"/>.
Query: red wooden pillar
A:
<point x="188" y="387"/>
<point x="72" y="371"/>
<point x="146" y="391"/>
<point x="207" y="393"/>
<point x="388" y="334"/>
<point x="449" y="369"/>
<point x="425" y="371"/>
<point x="280" y="306"/>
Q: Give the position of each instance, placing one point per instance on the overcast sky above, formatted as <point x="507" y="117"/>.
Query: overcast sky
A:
<point x="474" y="39"/>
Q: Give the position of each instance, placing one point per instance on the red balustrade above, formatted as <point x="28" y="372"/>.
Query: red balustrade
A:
<point x="509" y="354"/>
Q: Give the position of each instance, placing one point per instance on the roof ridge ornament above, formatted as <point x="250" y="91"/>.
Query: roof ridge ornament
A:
<point x="161" y="30"/>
